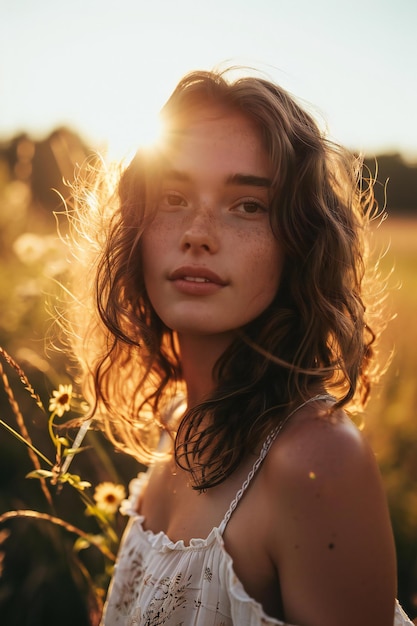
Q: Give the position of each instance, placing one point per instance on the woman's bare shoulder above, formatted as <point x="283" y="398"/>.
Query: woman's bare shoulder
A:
<point x="318" y="443"/>
<point x="322" y="481"/>
<point x="329" y="521"/>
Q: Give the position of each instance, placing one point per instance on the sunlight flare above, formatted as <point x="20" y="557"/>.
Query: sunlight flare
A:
<point x="145" y="131"/>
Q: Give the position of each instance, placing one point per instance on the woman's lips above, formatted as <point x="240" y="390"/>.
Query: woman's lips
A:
<point x="194" y="280"/>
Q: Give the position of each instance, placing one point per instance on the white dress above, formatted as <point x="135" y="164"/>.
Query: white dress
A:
<point x="160" y="582"/>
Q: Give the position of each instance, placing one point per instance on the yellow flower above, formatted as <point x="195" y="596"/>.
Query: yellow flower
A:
<point x="109" y="496"/>
<point x="61" y="400"/>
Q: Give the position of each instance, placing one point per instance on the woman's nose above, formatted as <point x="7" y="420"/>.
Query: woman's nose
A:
<point x="201" y="232"/>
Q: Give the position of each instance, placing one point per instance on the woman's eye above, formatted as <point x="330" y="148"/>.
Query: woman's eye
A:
<point x="251" y="207"/>
<point x="173" y="200"/>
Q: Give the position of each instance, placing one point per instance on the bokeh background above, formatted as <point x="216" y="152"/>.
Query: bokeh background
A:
<point x="90" y="75"/>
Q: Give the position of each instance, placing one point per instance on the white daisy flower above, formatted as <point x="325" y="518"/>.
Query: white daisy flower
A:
<point x="108" y="497"/>
<point x="61" y="400"/>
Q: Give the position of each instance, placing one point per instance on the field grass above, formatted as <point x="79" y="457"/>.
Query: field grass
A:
<point x="391" y="419"/>
<point x="395" y="398"/>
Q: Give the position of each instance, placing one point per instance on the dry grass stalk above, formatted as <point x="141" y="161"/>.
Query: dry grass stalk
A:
<point x="21" y="423"/>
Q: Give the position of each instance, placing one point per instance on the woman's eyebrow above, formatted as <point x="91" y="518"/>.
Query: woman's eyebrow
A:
<point x="249" y="180"/>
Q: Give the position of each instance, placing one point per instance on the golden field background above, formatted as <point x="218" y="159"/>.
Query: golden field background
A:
<point x="391" y="419"/>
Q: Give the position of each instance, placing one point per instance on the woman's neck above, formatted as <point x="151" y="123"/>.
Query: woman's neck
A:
<point x="199" y="355"/>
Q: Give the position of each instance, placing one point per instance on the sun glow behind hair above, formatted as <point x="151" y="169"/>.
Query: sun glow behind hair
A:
<point x="142" y="131"/>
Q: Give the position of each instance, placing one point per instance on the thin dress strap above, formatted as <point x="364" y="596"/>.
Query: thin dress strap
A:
<point x="264" y="451"/>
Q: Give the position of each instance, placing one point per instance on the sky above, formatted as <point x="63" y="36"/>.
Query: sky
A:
<point x="104" y="68"/>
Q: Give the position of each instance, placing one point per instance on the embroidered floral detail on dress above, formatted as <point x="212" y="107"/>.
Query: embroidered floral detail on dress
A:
<point x="129" y="591"/>
<point x="170" y="595"/>
<point x="208" y="574"/>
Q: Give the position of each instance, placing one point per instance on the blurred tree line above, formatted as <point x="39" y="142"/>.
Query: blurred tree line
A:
<point x="396" y="182"/>
<point x="39" y="576"/>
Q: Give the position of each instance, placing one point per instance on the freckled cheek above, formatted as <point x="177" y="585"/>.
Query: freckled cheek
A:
<point x="267" y="263"/>
<point x="155" y="241"/>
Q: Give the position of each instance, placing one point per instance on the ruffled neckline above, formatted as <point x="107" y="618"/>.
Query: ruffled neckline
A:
<point x="160" y="540"/>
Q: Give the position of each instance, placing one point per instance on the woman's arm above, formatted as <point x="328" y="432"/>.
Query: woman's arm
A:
<point x="330" y="535"/>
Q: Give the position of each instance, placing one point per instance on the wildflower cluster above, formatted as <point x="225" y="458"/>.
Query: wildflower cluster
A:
<point x="102" y="503"/>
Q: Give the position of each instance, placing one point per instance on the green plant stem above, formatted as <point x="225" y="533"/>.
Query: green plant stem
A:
<point x="27" y="443"/>
<point x="51" y="429"/>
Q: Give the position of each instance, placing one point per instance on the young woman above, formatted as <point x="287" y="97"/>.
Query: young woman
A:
<point x="232" y="333"/>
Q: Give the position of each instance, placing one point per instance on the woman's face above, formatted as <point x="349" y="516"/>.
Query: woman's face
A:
<point x="211" y="262"/>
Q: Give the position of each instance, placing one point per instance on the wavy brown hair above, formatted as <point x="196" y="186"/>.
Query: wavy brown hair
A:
<point x="315" y="335"/>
